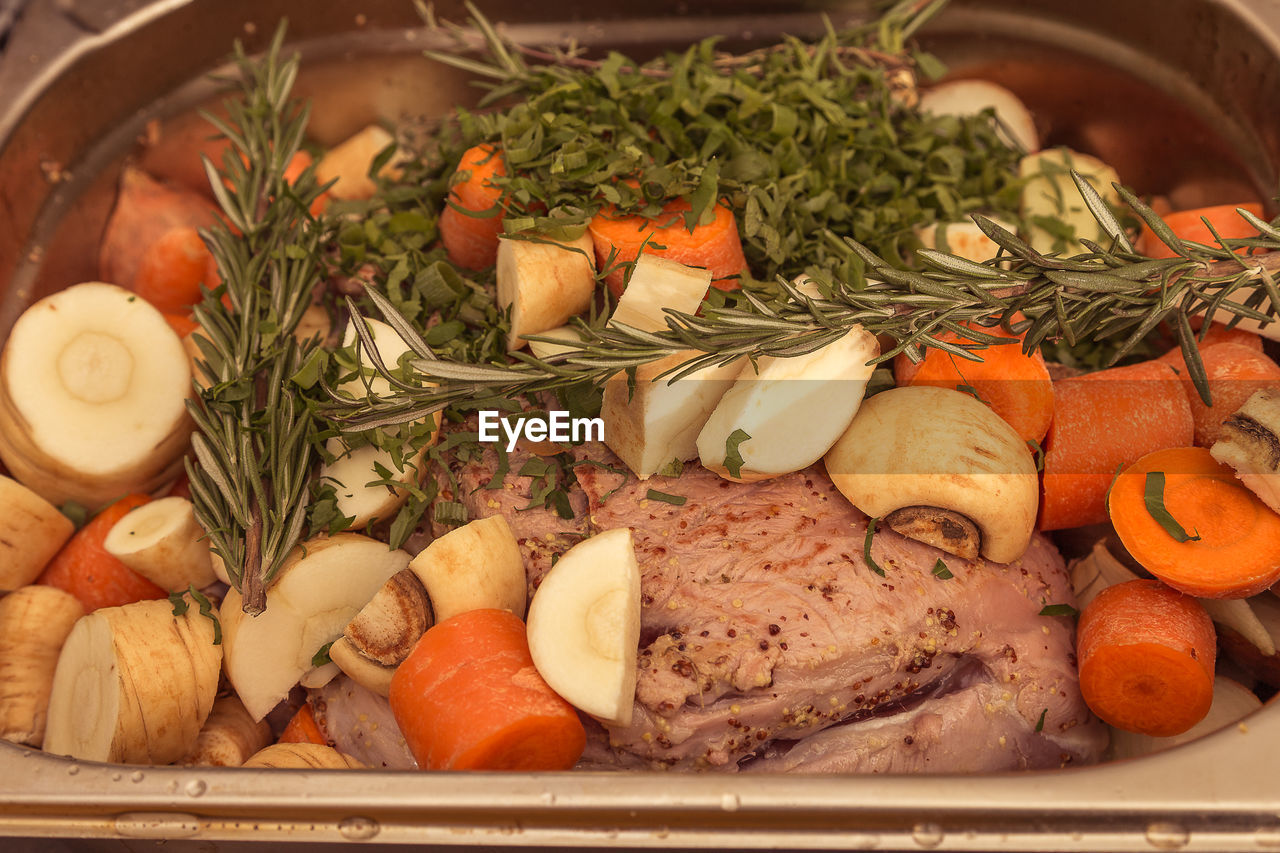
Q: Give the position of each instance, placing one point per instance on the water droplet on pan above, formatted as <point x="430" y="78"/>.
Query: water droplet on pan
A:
<point x="1167" y="836"/>
<point x="358" y="828"/>
<point x="927" y="835"/>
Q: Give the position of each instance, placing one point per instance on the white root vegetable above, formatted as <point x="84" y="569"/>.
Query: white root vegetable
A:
<point x="163" y="542"/>
<point x="320" y="586"/>
<point x="965" y="239"/>
<point x="34" y="623"/>
<point x="31" y="532"/>
<point x="656" y="422"/>
<point x="304" y="756"/>
<point x="350" y="161"/>
<point x="793" y="409"/>
<point x="1232" y="702"/>
<point x="970" y="97"/>
<point x="229" y="737"/>
<point x="655" y="285"/>
<point x="1250" y="443"/>
<point x="939" y="466"/>
<point x="1051" y="192"/>
<point x="93" y="389"/>
<point x="1100" y="569"/>
<point x="474" y="566"/>
<point x="387" y="628"/>
<point x="319" y="676"/>
<point x="369" y="674"/>
<point x="544" y="349"/>
<point x="134" y="684"/>
<point x="584" y="626"/>
<point x="544" y="284"/>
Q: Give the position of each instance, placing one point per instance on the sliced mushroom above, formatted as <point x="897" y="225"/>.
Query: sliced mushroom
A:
<point x="938" y="459"/>
<point x="1250" y="444"/>
<point x="369" y="674"/>
<point x="386" y="629"/>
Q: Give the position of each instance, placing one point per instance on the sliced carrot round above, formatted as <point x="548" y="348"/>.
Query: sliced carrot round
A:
<point x="1237" y="553"/>
<point x="1147" y="656"/>
<point x="1189" y="225"/>
<point x="472" y="222"/>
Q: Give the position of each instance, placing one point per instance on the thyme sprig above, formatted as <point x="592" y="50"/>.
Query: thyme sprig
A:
<point x="253" y="448"/>
<point x="1107" y="293"/>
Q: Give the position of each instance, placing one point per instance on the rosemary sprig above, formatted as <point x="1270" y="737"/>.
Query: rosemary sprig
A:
<point x="253" y="443"/>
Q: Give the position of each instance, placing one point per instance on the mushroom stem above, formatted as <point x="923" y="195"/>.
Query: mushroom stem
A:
<point x="942" y="528"/>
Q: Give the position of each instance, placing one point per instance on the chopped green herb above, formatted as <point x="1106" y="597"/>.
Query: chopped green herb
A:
<point x="866" y="547"/>
<point x="674" y="468"/>
<point x="321" y="657"/>
<point x="674" y="500"/>
<point x="732" y="455"/>
<point x="941" y="572"/>
<point x="78" y="513"/>
<point x="179" y="602"/>
<point x="449" y="512"/>
<point x="1153" y="497"/>
<point x="1058" y="610"/>
<point x="1040" y="722"/>
<point x="1038" y="453"/>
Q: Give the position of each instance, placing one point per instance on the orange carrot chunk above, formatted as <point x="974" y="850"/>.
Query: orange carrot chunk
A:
<point x="469" y="698"/>
<point x="1218" y="334"/>
<point x="1147" y="657"/>
<point x="1015" y="385"/>
<point x="172" y="270"/>
<point x="303" y="728"/>
<point x="1189" y="225"/>
<point x="1237" y="552"/>
<point x="1102" y="422"/>
<point x="715" y="246"/>
<point x="471" y="237"/>
<point x="1235" y="371"/>
<point x="85" y="569"/>
<point x="146" y="210"/>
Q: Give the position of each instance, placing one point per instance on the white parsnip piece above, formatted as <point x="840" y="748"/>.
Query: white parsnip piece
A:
<point x="940" y="466"/>
<point x="793" y="409"/>
<point x="350" y="162"/>
<point x="31" y="532"/>
<point x="543" y="283"/>
<point x="134" y="684"/>
<point x="584" y="626"/>
<point x="320" y="586"/>
<point x="1250" y="444"/>
<point x="34" y="624"/>
<point x="1051" y="193"/>
<point x="163" y="542"/>
<point x="655" y="422"/>
<point x="303" y="756"/>
<point x="964" y="239"/>
<point x="544" y="349"/>
<point x="474" y="566"/>
<point x="657" y="284"/>
<point x="93" y="390"/>
<point x="970" y="97"/>
<point x="229" y="737"/>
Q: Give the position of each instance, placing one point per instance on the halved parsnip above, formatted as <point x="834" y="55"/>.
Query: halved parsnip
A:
<point x="34" y="624"/>
<point x="229" y="736"/>
<point x="657" y="422"/>
<point x="163" y="542"/>
<point x="93" y="390"/>
<point x="321" y="585"/>
<point x="31" y="532"/>
<point x="1050" y="192"/>
<point x="349" y="161"/>
<point x="303" y="756"/>
<point x="657" y="284"/>
<point x="584" y="626"/>
<point x="793" y="409"/>
<point x="134" y="684"/>
<point x="474" y="566"/>
<point x="964" y="239"/>
<point x="544" y="284"/>
<point x="970" y="97"/>
<point x="925" y="448"/>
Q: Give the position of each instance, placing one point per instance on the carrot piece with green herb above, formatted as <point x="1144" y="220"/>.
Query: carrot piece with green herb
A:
<point x="303" y="728"/>
<point x="1230" y="544"/>
<point x="85" y="569"/>
<point x="1102" y="422"/>
<point x="1235" y="372"/>
<point x="1015" y="385"/>
<point x="471" y="222"/>
<point x="1189" y="225"/>
<point x="1147" y="656"/>
<point x="713" y="245"/>
<point x="469" y="698"/>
